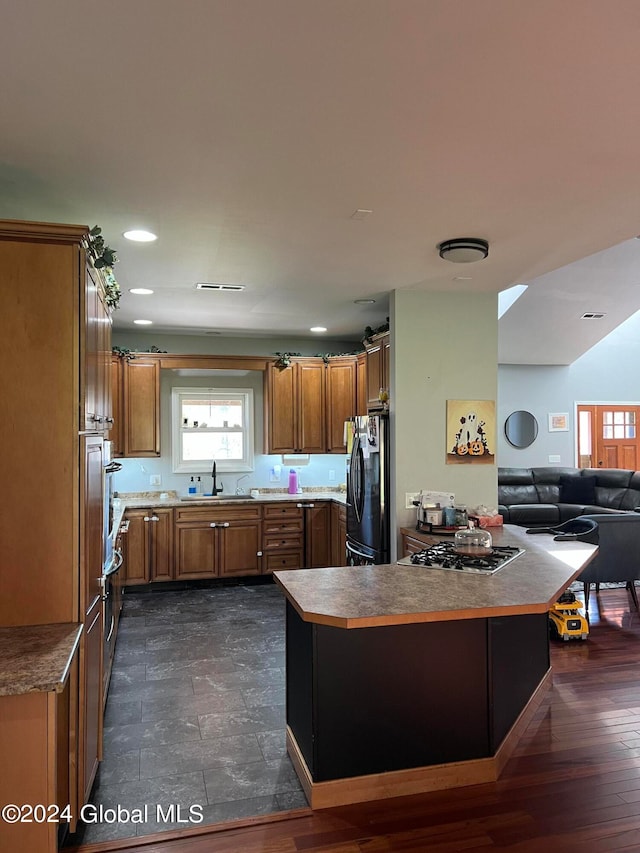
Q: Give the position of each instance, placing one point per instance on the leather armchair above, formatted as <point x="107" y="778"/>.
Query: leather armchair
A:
<point x="618" y="557"/>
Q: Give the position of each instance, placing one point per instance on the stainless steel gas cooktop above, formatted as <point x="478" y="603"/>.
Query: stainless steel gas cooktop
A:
<point x="443" y="556"/>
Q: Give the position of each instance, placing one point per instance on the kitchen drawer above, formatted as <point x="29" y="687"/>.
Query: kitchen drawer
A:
<point x="282" y="542"/>
<point x="283" y="524"/>
<point x="278" y="562"/>
<point x="282" y="510"/>
<point x="228" y="512"/>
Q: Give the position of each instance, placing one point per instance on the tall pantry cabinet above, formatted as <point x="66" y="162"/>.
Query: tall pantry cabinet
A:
<point x="55" y="340"/>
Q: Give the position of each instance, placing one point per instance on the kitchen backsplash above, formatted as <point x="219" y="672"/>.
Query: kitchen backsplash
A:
<point x="316" y="470"/>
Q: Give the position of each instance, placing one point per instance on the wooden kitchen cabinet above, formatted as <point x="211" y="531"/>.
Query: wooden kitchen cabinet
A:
<point x="362" y="389"/>
<point x="148" y="550"/>
<point x="317" y="534"/>
<point x="296" y="410"/>
<point x="116" y="434"/>
<point x="38" y="743"/>
<point x="338" y="534"/>
<point x="214" y="542"/>
<point x="297" y="535"/>
<point x="96" y="346"/>
<point x="377" y="355"/>
<point x="282" y="537"/>
<point x="341" y="385"/>
<point x="141" y="407"/>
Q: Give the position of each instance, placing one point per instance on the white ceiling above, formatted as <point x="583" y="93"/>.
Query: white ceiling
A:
<point x="245" y="133"/>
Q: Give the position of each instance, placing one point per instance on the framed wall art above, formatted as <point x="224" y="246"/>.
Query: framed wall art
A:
<point x="559" y="422"/>
<point x="471" y="432"/>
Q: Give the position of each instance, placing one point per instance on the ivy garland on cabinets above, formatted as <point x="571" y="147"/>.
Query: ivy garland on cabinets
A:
<point x="103" y="258"/>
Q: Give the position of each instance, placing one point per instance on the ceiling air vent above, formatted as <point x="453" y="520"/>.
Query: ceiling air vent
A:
<point x="593" y="315"/>
<point x="208" y="285"/>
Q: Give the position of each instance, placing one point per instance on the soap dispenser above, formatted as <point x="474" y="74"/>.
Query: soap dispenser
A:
<point x="192" y="486"/>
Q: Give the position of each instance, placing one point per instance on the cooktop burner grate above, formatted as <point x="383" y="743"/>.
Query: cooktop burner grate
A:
<point x="443" y="556"/>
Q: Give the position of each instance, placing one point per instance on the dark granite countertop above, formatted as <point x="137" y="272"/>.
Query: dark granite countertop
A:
<point x="36" y="658"/>
<point x="365" y="596"/>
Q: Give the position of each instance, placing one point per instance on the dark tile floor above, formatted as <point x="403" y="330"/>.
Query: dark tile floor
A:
<point x="195" y="714"/>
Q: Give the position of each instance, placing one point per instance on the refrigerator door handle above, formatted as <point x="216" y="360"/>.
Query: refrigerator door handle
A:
<point x="357" y="479"/>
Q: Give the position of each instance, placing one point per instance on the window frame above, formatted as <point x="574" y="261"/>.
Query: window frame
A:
<point x="197" y="466"/>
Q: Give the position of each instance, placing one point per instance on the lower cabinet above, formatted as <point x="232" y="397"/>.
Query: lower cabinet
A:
<point x="317" y="535"/>
<point x="297" y="535"/>
<point x="338" y="535"/>
<point x="38" y="743"/>
<point x="148" y="546"/>
<point x="220" y="542"/>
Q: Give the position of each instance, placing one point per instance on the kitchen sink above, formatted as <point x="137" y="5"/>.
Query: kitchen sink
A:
<point x="221" y="497"/>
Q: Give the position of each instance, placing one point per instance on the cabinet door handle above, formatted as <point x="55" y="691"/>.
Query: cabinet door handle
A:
<point x="146" y="518"/>
<point x="154" y="518"/>
<point x="225" y="524"/>
<point x="213" y="524"/>
<point x="109" y="420"/>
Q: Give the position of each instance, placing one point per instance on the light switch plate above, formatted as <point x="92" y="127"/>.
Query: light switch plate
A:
<point x="554" y="460"/>
<point x="155" y="480"/>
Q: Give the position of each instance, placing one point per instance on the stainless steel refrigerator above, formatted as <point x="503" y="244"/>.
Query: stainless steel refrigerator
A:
<point x="368" y="493"/>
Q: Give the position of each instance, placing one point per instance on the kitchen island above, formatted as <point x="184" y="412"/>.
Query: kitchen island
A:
<point x="403" y="679"/>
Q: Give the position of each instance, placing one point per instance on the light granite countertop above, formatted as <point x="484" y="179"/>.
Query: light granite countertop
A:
<point x="36" y="658"/>
<point x="137" y="500"/>
<point x="366" y="596"/>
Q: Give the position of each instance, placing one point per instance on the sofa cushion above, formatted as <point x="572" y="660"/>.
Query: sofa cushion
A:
<point x="577" y="490"/>
<point x="509" y="495"/>
<point x="534" y="515"/>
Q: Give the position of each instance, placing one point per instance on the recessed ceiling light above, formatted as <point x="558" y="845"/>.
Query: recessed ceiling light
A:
<point x="140" y="236"/>
<point x="140" y="291"/>
<point x="364" y="301"/>
<point x="317" y="329"/>
<point x="143" y="322"/>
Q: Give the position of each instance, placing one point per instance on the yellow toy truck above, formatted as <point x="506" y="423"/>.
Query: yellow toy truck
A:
<point x="565" y="622"/>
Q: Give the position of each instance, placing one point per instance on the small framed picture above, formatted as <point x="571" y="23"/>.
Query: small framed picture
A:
<point x="558" y="422"/>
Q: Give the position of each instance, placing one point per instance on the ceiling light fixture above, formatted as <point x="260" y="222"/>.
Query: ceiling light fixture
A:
<point x="209" y="285"/>
<point x="140" y="291"/>
<point x="143" y="322"/>
<point x="364" y="301"/>
<point x="139" y="236"/>
<point x="463" y="250"/>
<point x="318" y="329"/>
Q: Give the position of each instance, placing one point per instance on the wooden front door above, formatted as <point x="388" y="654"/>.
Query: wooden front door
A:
<point x="608" y="436"/>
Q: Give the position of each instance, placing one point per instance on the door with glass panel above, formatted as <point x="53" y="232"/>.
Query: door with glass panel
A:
<point x="608" y="436"/>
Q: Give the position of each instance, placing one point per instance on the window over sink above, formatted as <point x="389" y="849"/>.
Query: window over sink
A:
<point x="212" y="424"/>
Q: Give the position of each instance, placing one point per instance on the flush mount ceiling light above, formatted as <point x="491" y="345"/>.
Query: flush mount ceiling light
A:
<point x="143" y="322"/>
<point x="318" y="329"/>
<point x="139" y="236"/>
<point x="140" y="291"/>
<point x="463" y="250"/>
<point x="210" y="285"/>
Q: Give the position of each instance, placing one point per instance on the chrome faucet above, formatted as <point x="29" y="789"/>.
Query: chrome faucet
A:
<point x="240" y="491"/>
<point x="215" y="490"/>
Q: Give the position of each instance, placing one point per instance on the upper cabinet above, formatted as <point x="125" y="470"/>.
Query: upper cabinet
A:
<point x="308" y="403"/>
<point x="96" y="346"/>
<point x="341" y="400"/>
<point x="135" y="389"/>
<point x="377" y="358"/>
<point x="296" y="410"/>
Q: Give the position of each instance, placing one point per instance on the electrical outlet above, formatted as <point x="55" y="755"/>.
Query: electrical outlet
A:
<point x="332" y="475"/>
<point x="155" y="480"/>
<point x="274" y="474"/>
<point x="410" y="497"/>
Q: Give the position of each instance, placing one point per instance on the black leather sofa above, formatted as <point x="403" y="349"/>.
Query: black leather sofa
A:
<point x="539" y="497"/>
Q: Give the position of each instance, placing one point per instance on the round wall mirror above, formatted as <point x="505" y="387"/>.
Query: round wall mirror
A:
<point x="521" y="429"/>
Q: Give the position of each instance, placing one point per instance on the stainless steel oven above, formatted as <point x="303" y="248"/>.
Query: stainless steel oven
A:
<point x="108" y="533"/>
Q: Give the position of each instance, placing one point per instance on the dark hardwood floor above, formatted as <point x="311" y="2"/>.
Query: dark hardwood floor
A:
<point x="573" y="784"/>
